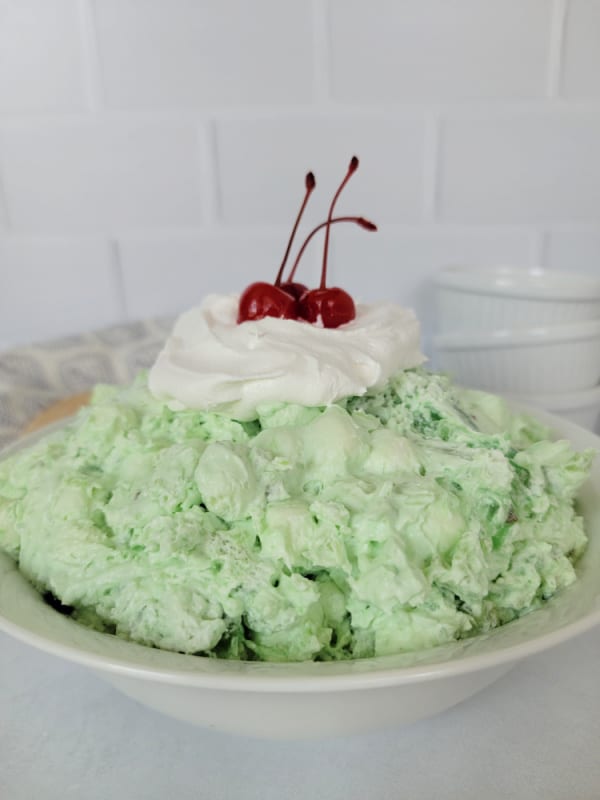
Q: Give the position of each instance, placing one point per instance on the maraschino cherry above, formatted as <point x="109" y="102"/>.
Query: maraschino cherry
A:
<point x="262" y="299"/>
<point x="333" y="306"/>
<point x="291" y="300"/>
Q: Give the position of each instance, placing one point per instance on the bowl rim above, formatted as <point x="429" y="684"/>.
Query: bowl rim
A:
<point x="301" y="677"/>
<point x="538" y="336"/>
<point x="530" y="283"/>
<point x="297" y="677"/>
<point x="561" y="401"/>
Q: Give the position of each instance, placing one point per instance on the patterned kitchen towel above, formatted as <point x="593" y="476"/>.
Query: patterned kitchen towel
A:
<point x="34" y="376"/>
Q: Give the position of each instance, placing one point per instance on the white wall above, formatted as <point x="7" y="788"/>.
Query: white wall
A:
<point x="154" y="150"/>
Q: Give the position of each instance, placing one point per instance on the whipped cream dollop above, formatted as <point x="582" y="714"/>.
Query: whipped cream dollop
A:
<point x="210" y="362"/>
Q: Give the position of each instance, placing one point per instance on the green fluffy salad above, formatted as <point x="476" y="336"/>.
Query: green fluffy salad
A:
<point x="399" y="520"/>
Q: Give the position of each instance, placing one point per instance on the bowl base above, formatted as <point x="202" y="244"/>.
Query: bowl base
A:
<point x="304" y="715"/>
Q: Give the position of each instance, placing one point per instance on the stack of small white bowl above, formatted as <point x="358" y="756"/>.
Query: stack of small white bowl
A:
<point x="532" y="334"/>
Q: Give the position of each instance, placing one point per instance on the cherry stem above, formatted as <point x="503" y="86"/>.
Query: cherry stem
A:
<point x="310" y="184"/>
<point x="364" y="223"/>
<point x="352" y="167"/>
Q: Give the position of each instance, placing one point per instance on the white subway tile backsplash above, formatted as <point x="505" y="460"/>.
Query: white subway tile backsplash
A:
<point x="575" y="251"/>
<point x="40" y="56"/>
<point x="262" y="164"/>
<point x="165" y="274"/>
<point x="99" y="175"/>
<point x="189" y="53"/>
<point x="397" y="266"/>
<point x="390" y="51"/>
<point x="51" y="288"/>
<point x="184" y="129"/>
<point x="581" y="76"/>
<point x="526" y="167"/>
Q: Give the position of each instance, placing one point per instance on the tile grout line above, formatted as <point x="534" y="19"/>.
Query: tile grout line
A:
<point x="426" y="228"/>
<point x="543" y="248"/>
<point x="4" y="210"/>
<point x="374" y="112"/>
<point x="533" y="227"/>
<point x="5" y="215"/>
<point x="321" y="38"/>
<point x="431" y="166"/>
<point x="92" y="71"/>
<point x="118" y="278"/>
<point x="556" y="45"/>
<point x="537" y="247"/>
<point x="209" y="168"/>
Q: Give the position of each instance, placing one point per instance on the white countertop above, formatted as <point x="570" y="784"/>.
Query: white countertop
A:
<point x="66" y="735"/>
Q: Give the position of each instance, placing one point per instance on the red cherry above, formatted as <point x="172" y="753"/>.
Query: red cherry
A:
<point x="262" y="300"/>
<point x="295" y="290"/>
<point x="333" y="306"/>
<point x="290" y="300"/>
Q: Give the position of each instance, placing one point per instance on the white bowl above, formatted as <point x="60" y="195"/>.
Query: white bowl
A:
<point x="310" y="700"/>
<point x="552" y="359"/>
<point x="582" y="408"/>
<point x="473" y="298"/>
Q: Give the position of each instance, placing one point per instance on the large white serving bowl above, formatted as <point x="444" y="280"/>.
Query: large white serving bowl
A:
<point x="551" y="359"/>
<point x="475" y="298"/>
<point x="310" y="700"/>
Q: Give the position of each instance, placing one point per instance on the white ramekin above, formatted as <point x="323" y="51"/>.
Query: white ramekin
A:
<point x="552" y="359"/>
<point x="471" y="298"/>
<point x="582" y="408"/>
